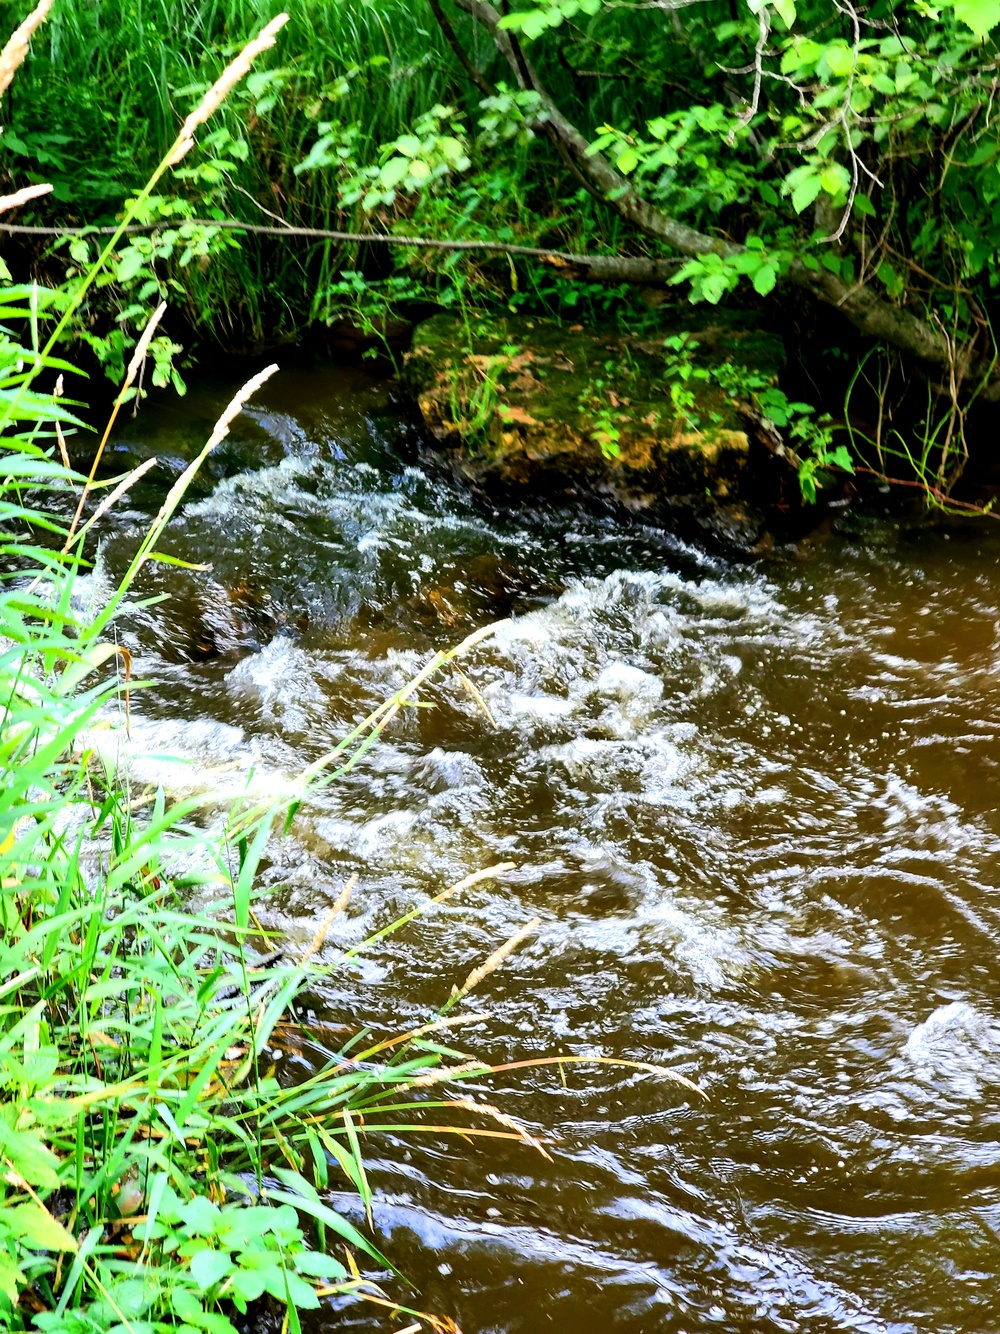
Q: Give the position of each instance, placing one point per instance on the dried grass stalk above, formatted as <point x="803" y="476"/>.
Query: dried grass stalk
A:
<point x="487" y="1109"/>
<point x="23" y="196"/>
<point x="236" y="406"/>
<point x="498" y="956"/>
<point x="219" y="91"/>
<point x="176" y="493"/>
<point x="13" y="54"/>
<point x="142" y="347"/>
<point x="63" y="451"/>
<point x="138" y="357"/>
<point x="443" y="1075"/>
<point x="319" y="937"/>
<point x="125" y="485"/>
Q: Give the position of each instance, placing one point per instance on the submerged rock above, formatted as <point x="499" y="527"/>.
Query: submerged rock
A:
<point x="534" y="407"/>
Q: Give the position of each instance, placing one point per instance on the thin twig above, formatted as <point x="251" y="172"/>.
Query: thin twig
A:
<point x="324" y="234"/>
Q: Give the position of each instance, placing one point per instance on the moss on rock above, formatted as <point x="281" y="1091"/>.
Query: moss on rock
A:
<point x="521" y="403"/>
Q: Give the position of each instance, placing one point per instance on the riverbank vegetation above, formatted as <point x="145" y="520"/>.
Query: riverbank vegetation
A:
<point x="797" y="159"/>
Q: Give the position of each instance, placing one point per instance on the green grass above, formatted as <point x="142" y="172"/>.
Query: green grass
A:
<point x="156" y="1172"/>
<point x="108" y="84"/>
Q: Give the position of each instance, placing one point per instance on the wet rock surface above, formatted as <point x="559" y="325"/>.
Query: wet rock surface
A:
<point x="528" y="407"/>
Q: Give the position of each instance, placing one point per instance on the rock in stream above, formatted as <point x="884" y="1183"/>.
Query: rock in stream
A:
<point x="533" y="408"/>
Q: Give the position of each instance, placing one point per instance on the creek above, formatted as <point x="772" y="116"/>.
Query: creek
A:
<point x="754" y="807"/>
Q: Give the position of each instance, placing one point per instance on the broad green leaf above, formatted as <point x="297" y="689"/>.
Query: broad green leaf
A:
<point x="201" y="1215"/>
<point x="318" y="1265"/>
<point x="130" y="263"/>
<point x="982" y="16"/>
<point x="451" y="149"/>
<point x="34" y="1226"/>
<point x="29" y="1157"/>
<point x="839" y="58"/>
<point x="210" y="1267"/>
<point x="248" y="1284"/>
<point x="286" y="1286"/>
<point x="764" y="280"/>
<point x="835" y="179"/>
<point x="805" y="193"/>
<point x="12" y="1278"/>
<point x="714" y="288"/>
<point x="841" y="458"/>
<point x="785" y="10"/>
<point x="393" y="172"/>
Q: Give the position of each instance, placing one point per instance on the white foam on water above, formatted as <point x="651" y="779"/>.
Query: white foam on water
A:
<point x="281" y="680"/>
<point x="190" y="757"/>
<point x="958" y="1047"/>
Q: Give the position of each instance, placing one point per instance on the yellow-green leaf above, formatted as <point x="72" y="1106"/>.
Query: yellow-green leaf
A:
<point x="35" y="1228"/>
<point x="982" y="16"/>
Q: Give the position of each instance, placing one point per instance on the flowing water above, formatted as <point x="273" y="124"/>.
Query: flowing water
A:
<point x="754" y="809"/>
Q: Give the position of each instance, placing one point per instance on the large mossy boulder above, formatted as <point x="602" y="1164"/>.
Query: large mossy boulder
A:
<point x="539" y="408"/>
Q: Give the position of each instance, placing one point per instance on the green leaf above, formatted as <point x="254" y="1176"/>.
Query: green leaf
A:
<point x="12" y="1279"/>
<point x="764" y="280"/>
<point x="839" y="58"/>
<point x="130" y="264"/>
<point x="835" y="179"/>
<point x="393" y="172"/>
<point x="161" y="558"/>
<point x="286" y="1286"/>
<point x="841" y="458"/>
<point x="29" y="1156"/>
<point x="34" y="1226"/>
<point x="627" y="161"/>
<point x="714" y="288"/>
<point x="982" y="16"/>
<point x="318" y="1265"/>
<point x="201" y="1215"/>
<point x="805" y="192"/>
<point x="248" y="1284"/>
<point x="888" y="276"/>
<point x="785" y="10"/>
<point x="323" y="1214"/>
<point x="210" y="1267"/>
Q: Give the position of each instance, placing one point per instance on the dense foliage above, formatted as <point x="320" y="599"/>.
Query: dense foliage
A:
<point x="850" y="152"/>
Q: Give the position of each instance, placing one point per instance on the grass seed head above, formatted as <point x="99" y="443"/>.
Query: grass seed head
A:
<point x="224" y="84"/>
<point x="13" y="54"/>
<point x="22" y="196"/>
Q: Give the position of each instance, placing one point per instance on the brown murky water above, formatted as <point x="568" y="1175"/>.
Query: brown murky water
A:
<point x="754" y="808"/>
